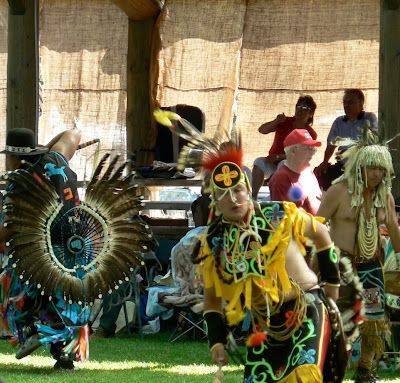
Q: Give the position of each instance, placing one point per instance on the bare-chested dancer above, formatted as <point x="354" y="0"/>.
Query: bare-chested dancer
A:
<point x="355" y="205"/>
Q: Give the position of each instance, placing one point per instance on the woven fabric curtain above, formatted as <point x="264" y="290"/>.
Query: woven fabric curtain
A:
<point x="244" y="62"/>
<point x="241" y="62"/>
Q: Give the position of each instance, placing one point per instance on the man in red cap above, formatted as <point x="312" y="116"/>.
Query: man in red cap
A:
<point x="282" y="126"/>
<point x="295" y="181"/>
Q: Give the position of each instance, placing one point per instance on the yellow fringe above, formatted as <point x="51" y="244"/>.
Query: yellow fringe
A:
<point x="373" y="333"/>
<point x="306" y="373"/>
<point x="274" y="281"/>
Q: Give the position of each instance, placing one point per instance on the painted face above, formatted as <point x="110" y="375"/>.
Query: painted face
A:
<point x="374" y="176"/>
<point x="233" y="203"/>
<point x="352" y="106"/>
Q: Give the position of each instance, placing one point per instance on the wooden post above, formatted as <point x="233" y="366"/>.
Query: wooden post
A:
<point x="140" y="134"/>
<point x="22" y="65"/>
<point x="140" y="9"/>
<point x="389" y="80"/>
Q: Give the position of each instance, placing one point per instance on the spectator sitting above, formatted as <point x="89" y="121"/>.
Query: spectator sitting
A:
<point x="294" y="180"/>
<point x="282" y="126"/>
<point x="347" y="126"/>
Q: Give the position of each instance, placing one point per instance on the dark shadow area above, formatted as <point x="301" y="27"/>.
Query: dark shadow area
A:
<point x="164" y="150"/>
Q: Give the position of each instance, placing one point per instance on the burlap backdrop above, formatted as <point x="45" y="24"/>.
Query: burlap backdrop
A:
<point x="256" y="59"/>
<point x="83" y="48"/>
<point x="237" y="60"/>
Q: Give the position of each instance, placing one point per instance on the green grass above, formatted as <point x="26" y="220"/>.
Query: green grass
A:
<point x="126" y="360"/>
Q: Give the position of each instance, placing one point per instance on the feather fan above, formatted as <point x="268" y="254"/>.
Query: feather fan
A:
<point x="84" y="252"/>
<point x="200" y="148"/>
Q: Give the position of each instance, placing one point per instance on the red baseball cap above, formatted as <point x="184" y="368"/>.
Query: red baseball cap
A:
<point x="300" y="137"/>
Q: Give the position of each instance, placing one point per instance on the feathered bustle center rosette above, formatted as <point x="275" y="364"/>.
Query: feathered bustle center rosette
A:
<point x="82" y="252"/>
<point x="369" y="150"/>
<point x="221" y="157"/>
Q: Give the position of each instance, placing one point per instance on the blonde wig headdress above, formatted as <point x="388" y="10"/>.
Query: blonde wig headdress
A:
<point x="367" y="151"/>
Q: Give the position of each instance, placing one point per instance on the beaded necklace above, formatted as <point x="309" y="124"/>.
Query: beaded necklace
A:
<point x="367" y="234"/>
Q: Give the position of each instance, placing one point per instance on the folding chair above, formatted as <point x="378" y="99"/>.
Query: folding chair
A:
<point x="128" y="291"/>
<point x="188" y="321"/>
<point x="187" y="300"/>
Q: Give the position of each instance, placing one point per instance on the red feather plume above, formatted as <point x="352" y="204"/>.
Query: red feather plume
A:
<point x="256" y="339"/>
<point x="230" y="153"/>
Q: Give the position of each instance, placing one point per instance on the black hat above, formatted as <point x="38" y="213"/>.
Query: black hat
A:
<point x="21" y="142"/>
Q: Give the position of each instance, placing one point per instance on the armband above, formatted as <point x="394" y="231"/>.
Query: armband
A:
<point x="216" y="329"/>
<point x="328" y="262"/>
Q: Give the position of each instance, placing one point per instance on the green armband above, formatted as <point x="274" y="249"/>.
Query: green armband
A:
<point x="216" y="329"/>
<point x="328" y="262"/>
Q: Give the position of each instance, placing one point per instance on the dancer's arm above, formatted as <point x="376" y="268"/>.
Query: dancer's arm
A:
<point x="216" y="328"/>
<point x="66" y="143"/>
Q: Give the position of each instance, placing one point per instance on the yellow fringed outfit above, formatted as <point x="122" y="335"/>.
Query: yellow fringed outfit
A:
<point x="247" y="268"/>
<point x="270" y="275"/>
<point x="244" y="262"/>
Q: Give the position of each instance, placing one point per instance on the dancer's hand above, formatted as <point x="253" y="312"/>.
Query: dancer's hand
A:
<point x="219" y="355"/>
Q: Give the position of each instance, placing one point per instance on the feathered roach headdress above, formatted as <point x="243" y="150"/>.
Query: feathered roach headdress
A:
<point x="85" y="251"/>
<point x="221" y="159"/>
<point x="361" y="153"/>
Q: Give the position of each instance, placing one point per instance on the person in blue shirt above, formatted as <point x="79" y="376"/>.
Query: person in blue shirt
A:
<point x="347" y="126"/>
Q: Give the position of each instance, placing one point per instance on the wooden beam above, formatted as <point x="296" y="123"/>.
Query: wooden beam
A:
<point x="167" y="205"/>
<point x="176" y="182"/>
<point x="140" y="134"/>
<point x="389" y="79"/>
<point x="140" y="9"/>
<point x="22" y="65"/>
<point x="17" y="7"/>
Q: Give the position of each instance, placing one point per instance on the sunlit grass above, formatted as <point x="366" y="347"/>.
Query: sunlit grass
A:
<point x="151" y="359"/>
<point x="128" y="360"/>
<point x="39" y="361"/>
